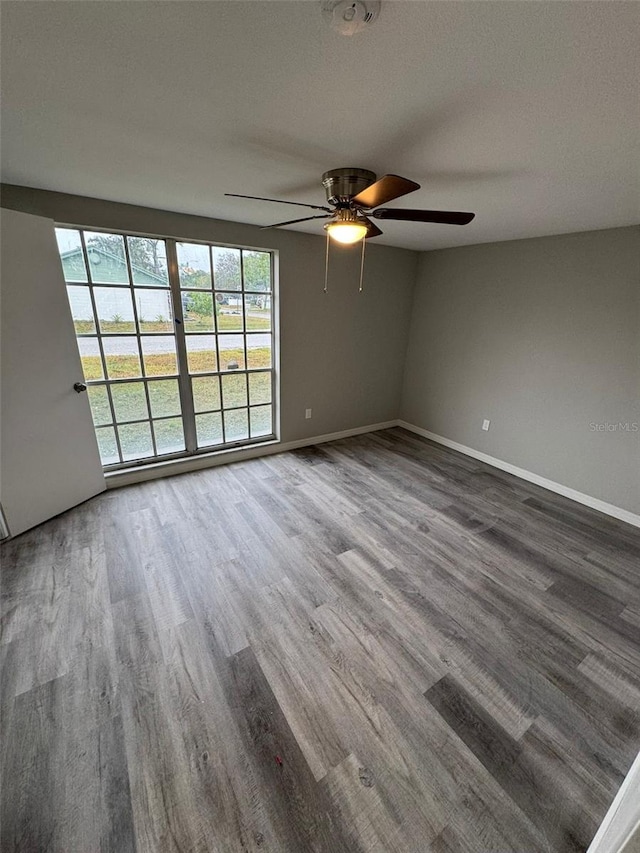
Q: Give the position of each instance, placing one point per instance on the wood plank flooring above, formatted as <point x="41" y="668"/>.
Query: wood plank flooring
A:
<point x="372" y="646"/>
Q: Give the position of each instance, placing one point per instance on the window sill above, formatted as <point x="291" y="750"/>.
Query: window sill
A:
<point x="184" y="464"/>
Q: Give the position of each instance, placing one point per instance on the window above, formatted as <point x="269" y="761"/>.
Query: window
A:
<point x="176" y="341"/>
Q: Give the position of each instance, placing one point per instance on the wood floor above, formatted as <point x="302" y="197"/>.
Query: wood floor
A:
<point x="373" y="645"/>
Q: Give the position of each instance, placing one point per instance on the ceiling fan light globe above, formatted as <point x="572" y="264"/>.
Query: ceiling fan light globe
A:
<point x="347" y="233"/>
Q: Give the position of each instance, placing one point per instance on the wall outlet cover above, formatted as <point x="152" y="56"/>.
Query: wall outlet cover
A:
<point x="307" y="413"/>
<point x="486" y="424"/>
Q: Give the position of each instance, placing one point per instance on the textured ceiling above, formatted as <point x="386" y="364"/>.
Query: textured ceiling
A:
<point x="525" y="112"/>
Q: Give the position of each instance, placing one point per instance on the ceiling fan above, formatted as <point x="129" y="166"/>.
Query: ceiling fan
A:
<point x="353" y="194"/>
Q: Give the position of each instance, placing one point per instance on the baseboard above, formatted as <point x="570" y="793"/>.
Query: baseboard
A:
<point x="4" y="528"/>
<point x="222" y="457"/>
<point x="558" y="488"/>
<point x="621" y="823"/>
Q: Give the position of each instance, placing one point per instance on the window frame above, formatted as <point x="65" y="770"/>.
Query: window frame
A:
<point x="183" y="375"/>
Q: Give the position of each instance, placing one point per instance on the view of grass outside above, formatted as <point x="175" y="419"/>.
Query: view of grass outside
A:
<point x="258" y="319"/>
<point x="122" y="308"/>
<point x="128" y="366"/>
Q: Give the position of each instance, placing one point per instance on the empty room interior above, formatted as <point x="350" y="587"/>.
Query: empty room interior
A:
<point x="320" y="426"/>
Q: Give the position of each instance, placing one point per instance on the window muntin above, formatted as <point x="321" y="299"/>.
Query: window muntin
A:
<point x="226" y="296"/>
<point x="178" y="358"/>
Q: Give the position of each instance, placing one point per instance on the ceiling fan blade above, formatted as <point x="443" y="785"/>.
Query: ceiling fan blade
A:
<point x="373" y="230"/>
<point x="293" y="221"/>
<point x="443" y="217"/>
<point x="383" y="190"/>
<point x="281" y="201"/>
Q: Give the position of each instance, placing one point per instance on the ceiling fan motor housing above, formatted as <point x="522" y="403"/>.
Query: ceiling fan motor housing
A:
<point x="342" y="184"/>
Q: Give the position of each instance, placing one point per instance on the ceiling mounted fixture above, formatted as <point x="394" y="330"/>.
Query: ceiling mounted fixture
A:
<point x="352" y="194"/>
<point x="349" y="17"/>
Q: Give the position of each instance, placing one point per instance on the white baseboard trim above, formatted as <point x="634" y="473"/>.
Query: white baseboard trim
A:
<point x="558" y="488"/>
<point x="156" y="470"/>
<point x="621" y="823"/>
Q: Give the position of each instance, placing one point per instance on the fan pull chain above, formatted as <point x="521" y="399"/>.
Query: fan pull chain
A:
<point x="326" y="265"/>
<point x="364" y="243"/>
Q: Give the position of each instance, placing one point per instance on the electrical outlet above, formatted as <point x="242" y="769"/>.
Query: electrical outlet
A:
<point x="307" y="413"/>
<point x="486" y="424"/>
